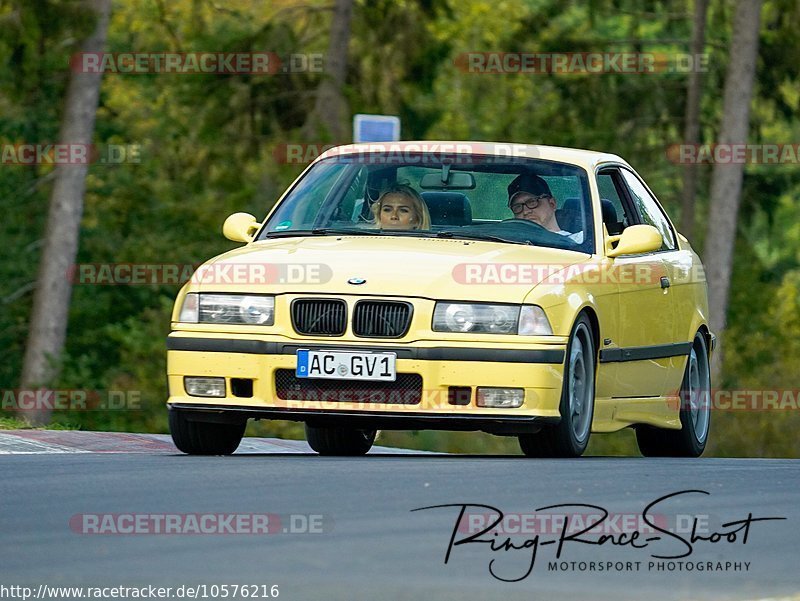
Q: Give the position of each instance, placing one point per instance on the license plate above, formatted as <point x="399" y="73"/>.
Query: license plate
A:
<point x="346" y="365"/>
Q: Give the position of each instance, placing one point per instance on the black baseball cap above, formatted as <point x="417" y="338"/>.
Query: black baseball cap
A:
<point x="528" y="182"/>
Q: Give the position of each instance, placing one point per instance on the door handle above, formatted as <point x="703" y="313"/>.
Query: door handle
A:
<point x="665" y="281"/>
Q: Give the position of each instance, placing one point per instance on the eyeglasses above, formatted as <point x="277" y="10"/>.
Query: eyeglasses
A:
<point x="532" y="203"/>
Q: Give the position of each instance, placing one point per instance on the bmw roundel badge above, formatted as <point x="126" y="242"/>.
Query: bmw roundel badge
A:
<point x="356" y="281"/>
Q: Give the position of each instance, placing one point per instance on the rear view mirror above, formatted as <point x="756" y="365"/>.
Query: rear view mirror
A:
<point x="447" y="180"/>
<point x="240" y="227"/>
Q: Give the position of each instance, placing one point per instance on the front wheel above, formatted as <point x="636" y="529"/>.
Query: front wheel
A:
<point x="204" y="438"/>
<point x="340" y="441"/>
<point x="571" y="436"/>
<point x="695" y="413"/>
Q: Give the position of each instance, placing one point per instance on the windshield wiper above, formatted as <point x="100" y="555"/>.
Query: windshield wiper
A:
<point x="449" y="234"/>
<point x="322" y="231"/>
<point x="330" y="231"/>
<point x="336" y="231"/>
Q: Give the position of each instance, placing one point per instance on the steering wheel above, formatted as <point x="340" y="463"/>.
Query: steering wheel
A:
<point x="524" y="222"/>
<point x="539" y="229"/>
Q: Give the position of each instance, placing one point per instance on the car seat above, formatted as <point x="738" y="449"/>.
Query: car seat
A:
<point x="613" y="225"/>
<point x="448" y="208"/>
<point x="569" y="215"/>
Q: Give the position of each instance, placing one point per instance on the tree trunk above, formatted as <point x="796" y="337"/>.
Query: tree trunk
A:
<point x="726" y="181"/>
<point x="691" y="133"/>
<point x="331" y="112"/>
<point x="48" y="325"/>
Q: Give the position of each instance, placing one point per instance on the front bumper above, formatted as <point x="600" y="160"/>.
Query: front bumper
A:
<point x="256" y="360"/>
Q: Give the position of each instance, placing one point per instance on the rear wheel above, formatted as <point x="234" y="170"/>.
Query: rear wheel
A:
<point x="340" y="441"/>
<point x="571" y="436"/>
<point x="204" y="438"/>
<point x="695" y="414"/>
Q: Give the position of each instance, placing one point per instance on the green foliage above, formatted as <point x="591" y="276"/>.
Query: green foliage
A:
<point x="14" y="423"/>
<point x="207" y="143"/>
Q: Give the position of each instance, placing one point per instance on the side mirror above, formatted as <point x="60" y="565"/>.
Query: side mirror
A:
<point x="240" y="227"/>
<point x="634" y="240"/>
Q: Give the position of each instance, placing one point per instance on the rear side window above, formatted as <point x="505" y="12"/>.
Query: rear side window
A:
<point x="649" y="209"/>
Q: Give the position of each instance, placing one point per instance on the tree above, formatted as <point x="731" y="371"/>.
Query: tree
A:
<point x="691" y="130"/>
<point x="331" y="111"/>
<point x="726" y="179"/>
<point x="48" y="325"/>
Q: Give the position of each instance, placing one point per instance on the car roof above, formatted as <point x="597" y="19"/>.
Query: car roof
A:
<point x="588" y="159"/>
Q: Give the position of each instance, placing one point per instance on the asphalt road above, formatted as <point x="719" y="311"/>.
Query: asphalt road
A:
<point x="372" y="546"/>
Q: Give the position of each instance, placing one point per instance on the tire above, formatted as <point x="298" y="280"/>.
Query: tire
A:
<point x="571" y="436"/>
<point x="695" y="412"/>
<point x="340" y="441"/>
<point x="204" y="438"/>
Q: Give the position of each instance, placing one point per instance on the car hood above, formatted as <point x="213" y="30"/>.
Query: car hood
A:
<point x="388" y="265"/>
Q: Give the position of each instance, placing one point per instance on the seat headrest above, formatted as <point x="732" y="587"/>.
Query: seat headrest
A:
<point x="569" y="215"/>
<point x="609" y="212"/>
<point x="448" y="208"/>
<point x="610" y="217"/>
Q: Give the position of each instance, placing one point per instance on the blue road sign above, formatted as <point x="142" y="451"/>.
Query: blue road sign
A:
<point x="376" y="128"/>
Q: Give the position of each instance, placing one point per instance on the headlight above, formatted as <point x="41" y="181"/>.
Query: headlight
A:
<point x="247" y="309"/>
<point x="527" y="320"/>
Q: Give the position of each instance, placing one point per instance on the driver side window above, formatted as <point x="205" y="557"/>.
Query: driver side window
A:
<point x="649" y="210"/>
<point x="616" y="214"/>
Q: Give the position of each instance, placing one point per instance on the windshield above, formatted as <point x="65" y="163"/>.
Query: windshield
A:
<point x="501" y="199"/>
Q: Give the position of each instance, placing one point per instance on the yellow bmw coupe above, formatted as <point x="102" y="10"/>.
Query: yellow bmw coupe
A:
<point x="519" y="290"/>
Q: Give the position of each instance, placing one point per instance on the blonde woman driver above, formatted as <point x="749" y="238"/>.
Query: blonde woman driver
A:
<point x="400" y="207"/>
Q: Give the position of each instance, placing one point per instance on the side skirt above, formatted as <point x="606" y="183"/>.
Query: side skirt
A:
<point x="612" y="414"/>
